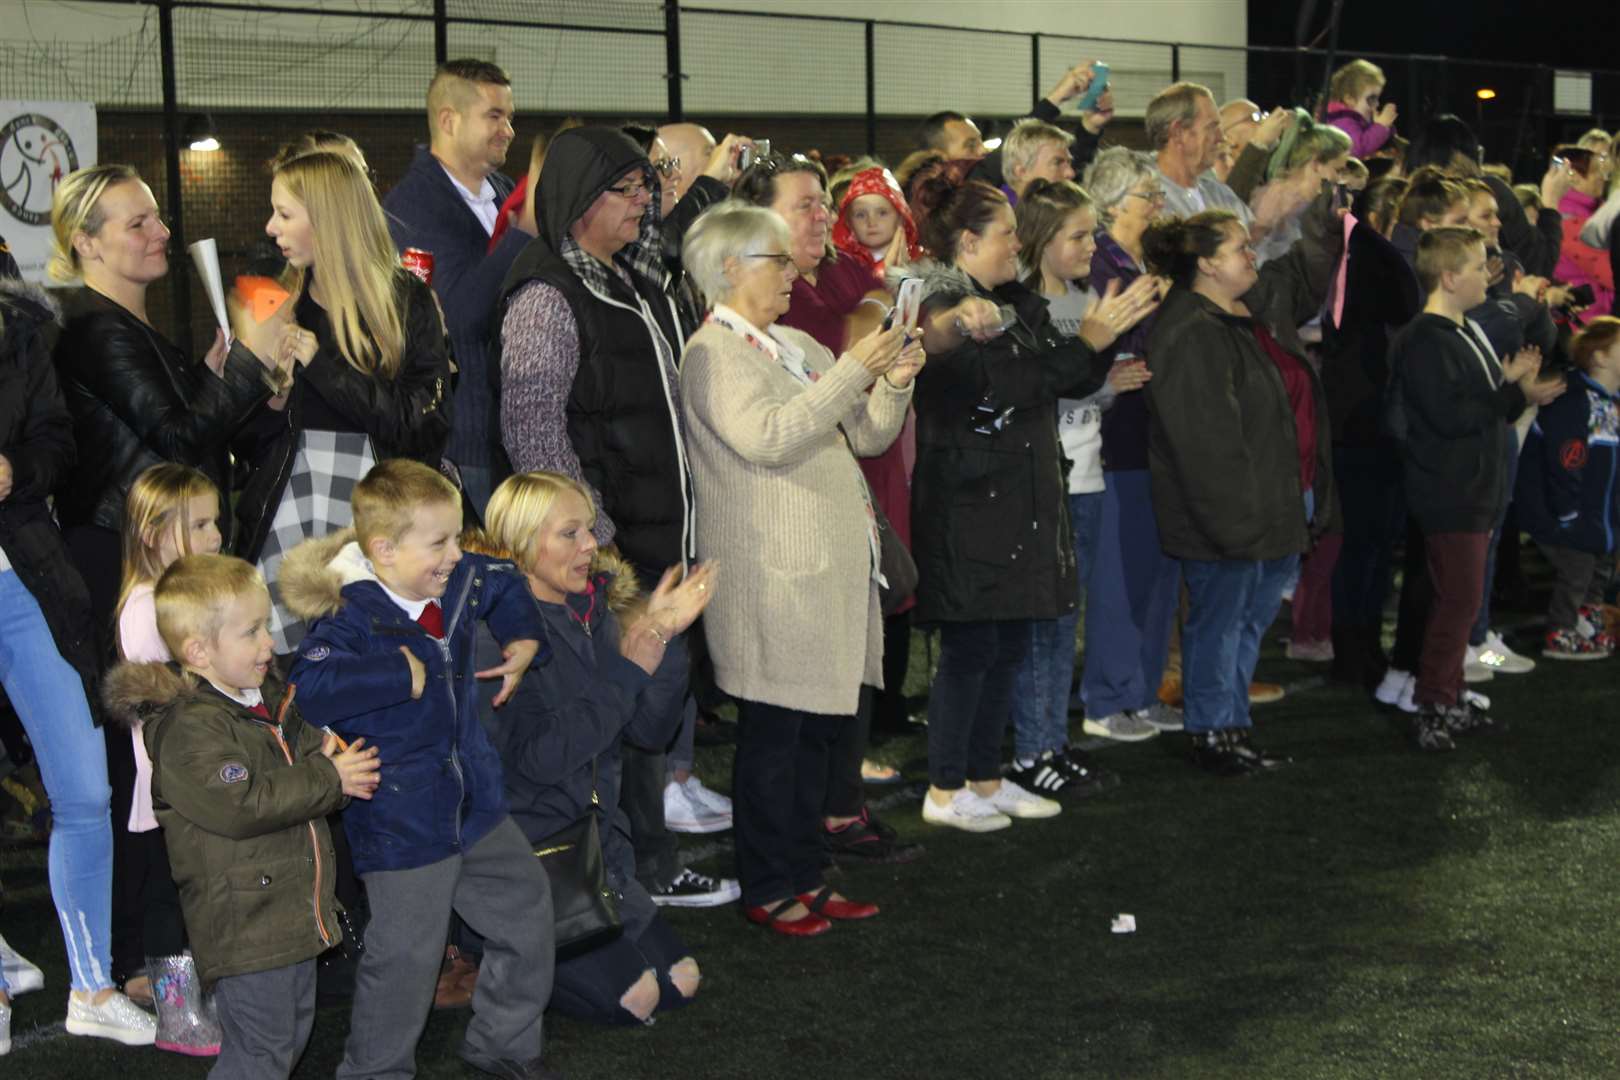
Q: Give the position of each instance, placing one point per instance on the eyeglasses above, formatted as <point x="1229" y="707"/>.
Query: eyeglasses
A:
<point x="667" y="166"/>
<point x="631" y="192"/>
<point x="779" y="258"/>
<point x="1154" y="197"/>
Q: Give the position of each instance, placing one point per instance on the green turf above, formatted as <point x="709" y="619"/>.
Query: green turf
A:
<point x="1369" y="912"/>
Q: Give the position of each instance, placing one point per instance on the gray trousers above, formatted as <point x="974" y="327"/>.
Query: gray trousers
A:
<point x="500" y="890"/>
<point x="266" y="1017"/>
<point x="1579" y="579"/>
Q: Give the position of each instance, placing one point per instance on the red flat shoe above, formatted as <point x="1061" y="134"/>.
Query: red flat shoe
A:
<point x="822" y="903"/>
<point x="808" y="925"/>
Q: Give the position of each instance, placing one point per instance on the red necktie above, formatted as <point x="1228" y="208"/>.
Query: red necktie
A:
<point x="432" y="619"/>
<point x="260" y="710"/>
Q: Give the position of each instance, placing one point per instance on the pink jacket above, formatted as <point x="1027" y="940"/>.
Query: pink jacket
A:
<point x="140" y="642"/>
<point x="1579" y="263"/>
<point x="1366" y="137"/>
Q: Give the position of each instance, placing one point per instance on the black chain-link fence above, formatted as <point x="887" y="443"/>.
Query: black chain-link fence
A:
<point x="263" y="72"/>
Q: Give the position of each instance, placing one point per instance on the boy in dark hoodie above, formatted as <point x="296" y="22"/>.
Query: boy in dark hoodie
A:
<point x="242" y="787"/>
<point x="386" y="660"/>
<point x="1567" y="493"/>
<point x="1450" y="403"/>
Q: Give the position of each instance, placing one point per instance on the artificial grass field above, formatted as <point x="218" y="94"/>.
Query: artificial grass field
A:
<point x="1367" y="912"/>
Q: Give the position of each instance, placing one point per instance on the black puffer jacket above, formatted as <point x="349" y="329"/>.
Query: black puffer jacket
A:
<point x="36" y="437"/>
<point x="407" y="416"/>
<point x="136" y="401"/>
<point x="623" y="423"/>
<point x="989" y="520"/>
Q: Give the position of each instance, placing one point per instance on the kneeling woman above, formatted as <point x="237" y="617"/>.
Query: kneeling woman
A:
<point x="559" y="736"/>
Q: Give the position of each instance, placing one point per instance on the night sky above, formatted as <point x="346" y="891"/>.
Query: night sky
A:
<point x="1574" y="35"/>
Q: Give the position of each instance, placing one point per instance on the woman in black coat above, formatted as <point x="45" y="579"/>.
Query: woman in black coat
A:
<point x="989" y="496"/>
<point x="47" y="665"/>
<point x="135" y="397"/>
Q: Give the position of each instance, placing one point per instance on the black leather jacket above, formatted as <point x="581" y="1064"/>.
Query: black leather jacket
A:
<point x="36" y="437"/>
<point x="407" y="416"/>
<point x="136" y="401"/>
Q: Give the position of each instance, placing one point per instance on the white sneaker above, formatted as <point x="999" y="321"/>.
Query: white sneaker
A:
<point x="706" y="795"/>
<point x="1163" y="717"/>
<point x="21" y="976"/>
<point x="1407" y="703"/>
<point x="966" y="811"/>
<point x="117" y="1018"/>
<point x="1016" y="802"/>
<point x="1495" y="655"/>
<point x="686" y="811"/>
<point x="1121" y="727"/>
<point x="1389" y="690"/>
<point x="1474" y="670"/>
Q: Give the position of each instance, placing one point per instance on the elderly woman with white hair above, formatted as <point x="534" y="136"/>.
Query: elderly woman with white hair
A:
<point x="773" y="421"/>
<point x="1133" y="587"/>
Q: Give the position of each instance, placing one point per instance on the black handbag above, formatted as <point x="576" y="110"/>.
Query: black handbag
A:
<point x="585" y="908"/>
<point x="895" y="563"/>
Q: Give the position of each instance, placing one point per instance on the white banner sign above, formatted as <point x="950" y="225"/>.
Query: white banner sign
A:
<point x="40" y="143"/>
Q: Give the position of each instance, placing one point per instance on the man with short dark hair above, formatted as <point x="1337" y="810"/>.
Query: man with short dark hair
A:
<point x="953" y="135"/>
<point x="446" y="205"/>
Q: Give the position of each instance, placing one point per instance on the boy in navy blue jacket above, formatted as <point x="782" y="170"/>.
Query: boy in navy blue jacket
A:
<point x="391" y="659"/>
<point x="1567" y="493"/>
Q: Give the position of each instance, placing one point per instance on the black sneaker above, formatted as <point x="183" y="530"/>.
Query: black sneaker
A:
<point x="1430" y="732"/>
<point x="1086" y="776"/>
<point x="1212" y="753"/>
<point x="1241" y="743"/>
<point x="1044" y="776"/>
<point x="868" y="840"/>
<point x="692" y="889"/>
<point x="1466" y="718"/>
<point x="506" y="1068"/>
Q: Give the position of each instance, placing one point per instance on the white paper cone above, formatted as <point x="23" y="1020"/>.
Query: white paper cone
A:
<point x="205" y="254"/>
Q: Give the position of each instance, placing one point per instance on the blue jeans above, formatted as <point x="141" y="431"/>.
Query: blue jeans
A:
<point x="970" y="699"/>
<point x="1231" y="602"/>
<point x="1041" y="689"/>
<point x="1133" y="592"/>
<point x="72" y="757"/>
<point x="1482" y="622"/>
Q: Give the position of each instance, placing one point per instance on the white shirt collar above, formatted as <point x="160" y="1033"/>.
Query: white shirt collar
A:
<point x="483" y="204"/>
<point x="413" y="608"/>
<point x="248" y="696"/>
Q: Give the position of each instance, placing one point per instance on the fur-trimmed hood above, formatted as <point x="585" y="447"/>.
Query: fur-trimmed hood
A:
<point x="136" y="692"/>
<point x="133" y="691"/>
<point x="25" y="309"/>
<point x="314" y="573"/>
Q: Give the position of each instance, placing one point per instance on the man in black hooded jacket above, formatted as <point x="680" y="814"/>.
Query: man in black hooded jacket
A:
<point x="591" y="335"/>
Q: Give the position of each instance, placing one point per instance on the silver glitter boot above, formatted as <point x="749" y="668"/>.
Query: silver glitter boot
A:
<point x="186" y="1020"/>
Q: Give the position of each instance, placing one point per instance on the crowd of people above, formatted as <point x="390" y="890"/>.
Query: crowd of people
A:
<point x="404" y="607"/>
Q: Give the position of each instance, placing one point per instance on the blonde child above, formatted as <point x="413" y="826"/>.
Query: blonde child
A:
<point x="1356" y="108"/>
<point x="242" y="787"/>
<point x="171" y="511"/>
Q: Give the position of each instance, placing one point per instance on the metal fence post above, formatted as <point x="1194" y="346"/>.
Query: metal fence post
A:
<point x="180" y="276"/>
<point x="871" y="87"/>
<point x="1034" y="67"/>
<point x="1175" y="63"/>
<point x="441" y="32"/>
<point x="672" y="58"/>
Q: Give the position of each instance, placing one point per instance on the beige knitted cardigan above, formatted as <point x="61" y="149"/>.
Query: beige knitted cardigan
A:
<point x="795" y="621"/>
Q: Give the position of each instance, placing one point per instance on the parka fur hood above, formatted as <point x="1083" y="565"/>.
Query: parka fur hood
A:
<point x="133" y="692"/>
<point x="314" y="573"/>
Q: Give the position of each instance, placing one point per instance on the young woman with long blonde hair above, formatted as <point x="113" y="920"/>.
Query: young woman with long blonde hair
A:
<point x="371" y="375"/>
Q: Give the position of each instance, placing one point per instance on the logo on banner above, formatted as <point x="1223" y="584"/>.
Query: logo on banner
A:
<point x="35" y="155"/>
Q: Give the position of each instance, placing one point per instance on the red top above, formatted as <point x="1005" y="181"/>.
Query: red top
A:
<point x="1301" y="399"/>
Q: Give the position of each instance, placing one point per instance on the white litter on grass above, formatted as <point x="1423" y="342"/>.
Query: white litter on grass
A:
<point x="1124" y="924"/>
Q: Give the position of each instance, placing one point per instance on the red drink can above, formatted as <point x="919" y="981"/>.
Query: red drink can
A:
<point x="418" y="262"/>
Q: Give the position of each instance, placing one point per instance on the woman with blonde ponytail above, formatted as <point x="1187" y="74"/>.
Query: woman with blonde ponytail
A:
<point x="136" y="398"/>
<point x="365" y="344"/>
